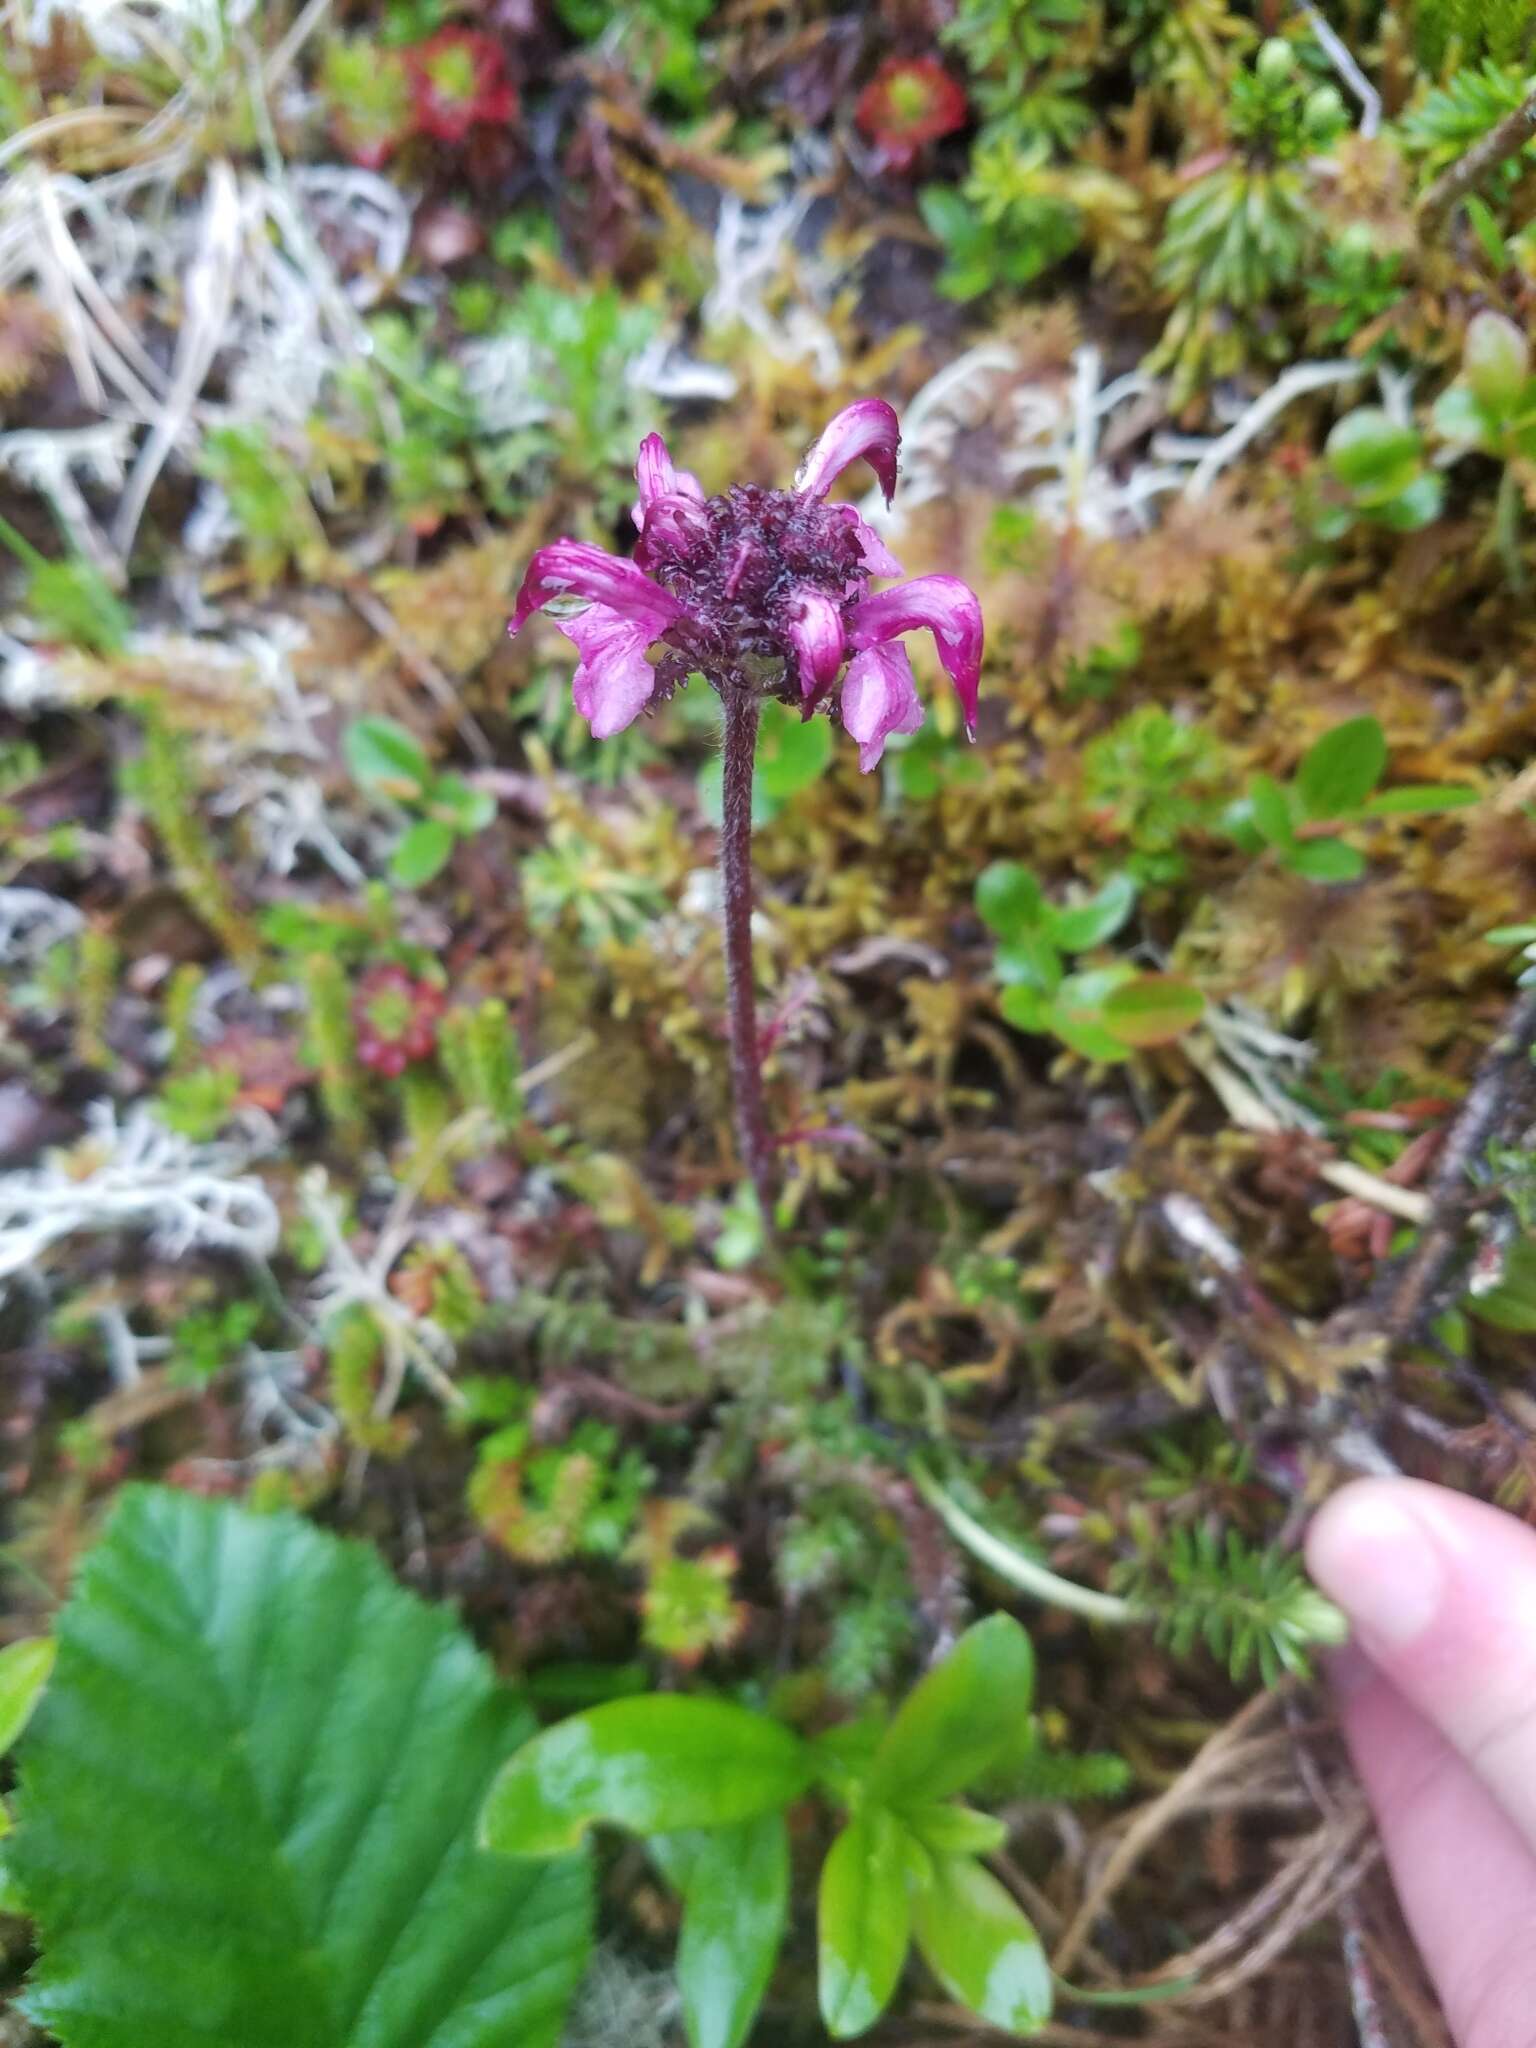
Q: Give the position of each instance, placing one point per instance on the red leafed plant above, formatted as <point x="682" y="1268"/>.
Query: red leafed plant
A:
<point x="459" y="81"/>
<point x="395" y="1016"/>
<point x="910" y="101"/>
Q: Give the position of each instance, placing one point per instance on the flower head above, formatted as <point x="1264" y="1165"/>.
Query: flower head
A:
<point x="910" y="101"/>
<point x="758" y="589"/>
<point x="459" y="79"/>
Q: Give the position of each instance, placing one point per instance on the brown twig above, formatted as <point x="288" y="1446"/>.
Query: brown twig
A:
<point x="1503" y="140"/>
<point x="1407" y="1296"/>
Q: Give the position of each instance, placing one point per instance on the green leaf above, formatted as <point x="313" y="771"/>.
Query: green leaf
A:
<point x="383" y="755"/>
<point x="1082" y="925"/>
<point x="1326" y="860"/>
<point x="946" y="1828"/>
<point x="247" y="1805"/>
<point x="791" y="752"/>
<point x="734" y="1883"/>
<point x="1414" y="798"/>
<point x="1077" y="1014"/>
<point x="1370" y="451"/>
<point x="1154" y="1009"/>
<point x="1029" y="961"/>
<point x="24" y="1671"/>
<point x="422" y="853"/>
<point x="1009" y="900"/>
<point x="461" y="805"/>
<point x="981" y="1948"/>
<point x="1270" y="810"/>
<point x="959" y="1717"/>
<point x="652" y="1764"/>
<point x="1511" y="1305"/>
<point x="864" y="1918"/>
<point x="1340" y="771"/>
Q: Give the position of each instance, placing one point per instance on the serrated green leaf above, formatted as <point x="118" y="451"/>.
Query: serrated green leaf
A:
<point x="653" y="1764"/>
<point x="1326" y="860"/>
<point x="864" y="1918"/>
<point x="981" y="1948"/>
<point x="734" y="1884"/>
<point x="24" y="1671"/>
<point x="422" y="853"/>
<point x="1339" y="772"/>
<point x="247" y="1803"/>
<point x="957" y="1718"/>
<point x="382" y="755"/>
<point x="1154" y="1009"/>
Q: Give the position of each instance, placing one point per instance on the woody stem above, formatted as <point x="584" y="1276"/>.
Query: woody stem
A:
<point x="741" y="715"/>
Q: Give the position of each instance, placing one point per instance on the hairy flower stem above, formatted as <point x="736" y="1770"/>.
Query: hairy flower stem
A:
<point x="741" y="715"/>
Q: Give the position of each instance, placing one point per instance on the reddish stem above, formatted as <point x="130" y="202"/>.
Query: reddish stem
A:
<point x="741" y="715"/>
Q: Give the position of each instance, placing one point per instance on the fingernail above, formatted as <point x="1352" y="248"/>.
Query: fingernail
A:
<point x="1372" y="1554"/>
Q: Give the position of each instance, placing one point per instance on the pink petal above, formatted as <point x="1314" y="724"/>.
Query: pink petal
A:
<point x="657" y="478"/>
<point x="950" y="611"/>
<point x="866" y="428"/>
<point x="879" y="698"/>
<point x="877" y="557"/>
<point x="613" y="682"/>
<point x="574" y="568"/>
<point x="816" y="631"/>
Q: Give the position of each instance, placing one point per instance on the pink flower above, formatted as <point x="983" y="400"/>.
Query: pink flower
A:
<point x="758" y="589"/>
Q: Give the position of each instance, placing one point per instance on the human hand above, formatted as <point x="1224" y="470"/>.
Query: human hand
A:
<point x="1438" y="1697"/>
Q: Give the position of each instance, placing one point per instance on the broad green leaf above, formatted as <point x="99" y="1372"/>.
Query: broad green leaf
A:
<point x="652" y="1764"/>
<point x="1154" y="1009"/>
<point x="946" y="1828"/>
<point x="422" y="853"/>
<point x="247" y="1804"/>
<point x="1496" y="359"/>
<point x="1009" y="900"/>
<point x="792" y="752"/>
<point x="1511" y="935"/>
<point x="1339" y="772"/>
<point x="1270" y="810"/>
<point x="1326" y="860"/>
<point x="461" y="805"/>
<point x="1417" y="505"/>
<point x="24" y="1671"/>
<point x="864" y="1918"/>
<point x="382" y="755"/>
<point x="1077" y="1014"/>
<point x="734" y="1884"/>
<point x="981" y="1948"/>
<point x="1082" y="925"/>
<point x="1026" y="1009"/>
<point x="1414" y="797"/>
<point x="958" y="1717"/>
<point x="1029" y="961"/>
<point x="1369" y="450"/>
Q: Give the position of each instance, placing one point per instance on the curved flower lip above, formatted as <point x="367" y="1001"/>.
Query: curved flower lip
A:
<point x="868" y="428"/>
<point x="877" y="557"/>
<point x="949" y="609"/>
<point x="659" y="478"/>
<point x="613" y="682"/>
<point x="575" y="568"/>
<point x="879" y="698"/>
<point x="816" y="632"/>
